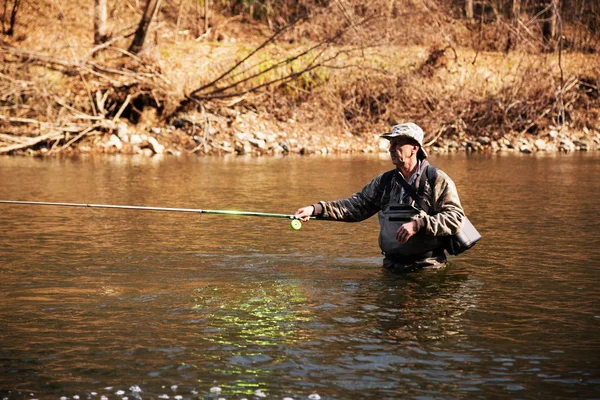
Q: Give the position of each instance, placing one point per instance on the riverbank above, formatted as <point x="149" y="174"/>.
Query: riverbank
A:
<point x="250" y="134"/>
<point x="234" y="90"/>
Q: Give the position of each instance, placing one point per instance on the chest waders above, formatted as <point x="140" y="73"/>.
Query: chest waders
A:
<point x="391" y="218"/>
<point x="394" y="214"/>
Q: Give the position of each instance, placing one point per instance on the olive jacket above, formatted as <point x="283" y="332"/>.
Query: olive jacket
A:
<point x="444" y="218"/>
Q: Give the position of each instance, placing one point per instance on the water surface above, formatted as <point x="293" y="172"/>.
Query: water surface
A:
<point x="115" y="303"/>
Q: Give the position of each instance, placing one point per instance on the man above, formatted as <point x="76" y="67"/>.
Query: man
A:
<point x="417" y="204"/>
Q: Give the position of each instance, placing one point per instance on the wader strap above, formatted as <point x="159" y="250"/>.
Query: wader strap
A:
<point x="412" y="192"/>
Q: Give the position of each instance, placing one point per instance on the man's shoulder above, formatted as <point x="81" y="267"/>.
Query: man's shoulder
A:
<point x="433" y="172"/>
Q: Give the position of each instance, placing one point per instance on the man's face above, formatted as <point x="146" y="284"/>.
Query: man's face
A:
<point x="402" y="149"/>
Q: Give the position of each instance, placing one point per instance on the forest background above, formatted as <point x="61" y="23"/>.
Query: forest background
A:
<point x="297" y="76"/>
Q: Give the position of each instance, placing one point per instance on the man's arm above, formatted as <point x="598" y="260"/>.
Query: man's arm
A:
<point x="358" y="207"/>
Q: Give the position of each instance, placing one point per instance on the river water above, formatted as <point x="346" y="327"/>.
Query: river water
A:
<point x="145" y="304"/>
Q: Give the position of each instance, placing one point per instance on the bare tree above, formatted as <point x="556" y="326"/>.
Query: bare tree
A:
<point x="515" y="10"/>
<point x="515" y="14"/>
<point x="551" y="20"/>
<point x="13" y="17"/>
<point x="469" y="9"/>
<point x="554" y="16"/>
<point x="206" y="15"/>
<point x="152" y="7"/>
<point x="100" y="35"/>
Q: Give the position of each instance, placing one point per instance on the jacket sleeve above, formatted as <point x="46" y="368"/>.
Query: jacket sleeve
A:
<point x="358" y="207"/>
<point x="448" y="215"/>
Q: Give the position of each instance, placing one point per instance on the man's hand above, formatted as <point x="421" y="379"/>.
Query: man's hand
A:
<point x="304" y="213"/>
<point x="406" y="231"/>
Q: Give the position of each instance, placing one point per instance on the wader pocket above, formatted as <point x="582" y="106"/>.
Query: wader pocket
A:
<point x="390" y="220"/>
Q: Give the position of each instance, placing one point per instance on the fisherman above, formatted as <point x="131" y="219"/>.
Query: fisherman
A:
<point x="418" y="205"/>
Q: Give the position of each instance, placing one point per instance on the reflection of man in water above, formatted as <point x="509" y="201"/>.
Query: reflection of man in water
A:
<point x="411" y="228"/>
<point x="424" y="307"/>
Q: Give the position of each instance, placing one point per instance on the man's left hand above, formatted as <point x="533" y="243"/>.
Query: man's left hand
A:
<point x="406" y="231"/>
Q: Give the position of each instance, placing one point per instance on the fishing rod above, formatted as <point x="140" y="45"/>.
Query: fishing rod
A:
<point x="296" y="224"/>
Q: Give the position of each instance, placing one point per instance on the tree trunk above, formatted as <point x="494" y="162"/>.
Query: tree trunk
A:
<point x="13" y="17"/>
<point x="100" y="21"/>
<point x="551" y="23"/>
<point x="206" y="15"/>
<point x="554" y="18"/>
<point x="515" y="14"/>
<point x="515" y="11"/>
<point x="150" y="11"/>
<point x="469" y="9"/>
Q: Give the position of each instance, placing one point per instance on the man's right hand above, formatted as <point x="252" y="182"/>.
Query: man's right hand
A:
<point x="304" y="213"/>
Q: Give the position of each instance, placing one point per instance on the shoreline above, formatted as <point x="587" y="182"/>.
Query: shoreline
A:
<point x="175" y="142"/>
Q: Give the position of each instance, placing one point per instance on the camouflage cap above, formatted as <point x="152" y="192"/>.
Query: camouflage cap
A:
<point x="410" y="130"/>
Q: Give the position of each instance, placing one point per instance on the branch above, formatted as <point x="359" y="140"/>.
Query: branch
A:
<point x="263" y="45"/>
<point x="31" y="142"/>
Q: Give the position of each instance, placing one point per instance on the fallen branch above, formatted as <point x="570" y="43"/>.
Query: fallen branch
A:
<point x="31" y="142"/>
<point x="83" y="133"/>
<point x="12" y="138"/>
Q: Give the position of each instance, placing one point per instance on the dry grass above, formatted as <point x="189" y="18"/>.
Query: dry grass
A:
<point x="428" y="75"/>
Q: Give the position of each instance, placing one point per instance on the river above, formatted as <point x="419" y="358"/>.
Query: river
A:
<point x="146" y="304"/>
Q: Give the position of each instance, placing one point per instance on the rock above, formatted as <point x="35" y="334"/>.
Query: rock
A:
<point x="566" y="145"/>
<point x="453" y="144"/>
<point x="155" y="146"/>
<point x="123" y="131"/>
<point x="260" y="135"/>
<point x="260" y="143"/>
<point x="114" y="141"/>
<point x="384" y="145"/>
<point x="484" y="140"/>
<point x="135" y="139"/>
<point x="243" y="147"/>
<point x="524" y="148"/>
<point x="242" y="136"/>
<point x="581" y="146"/>
<point x="155" y="130"/>
<point x="540" y="144"/>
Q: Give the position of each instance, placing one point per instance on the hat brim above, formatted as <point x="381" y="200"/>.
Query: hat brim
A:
<point x="421" y="154"/>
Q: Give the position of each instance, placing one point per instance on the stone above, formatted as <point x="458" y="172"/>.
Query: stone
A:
<point x="383" y="145"/>
<point x="260" y="143"/>
<point x="122" y="131"/>
<point x="260" y="135"/>
<point x="484" y="140"/>
<point x="524" y="148"/>
<point x="155" y="146"/>
<point x="566" y="145"/>
<point x="581" y="146"/>
<point x="135" y="139"/>
<point x="114" y="141"/>
<point x="540" y="144"/>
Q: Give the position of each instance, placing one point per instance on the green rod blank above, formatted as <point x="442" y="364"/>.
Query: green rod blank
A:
<point x="168" y="209"/>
